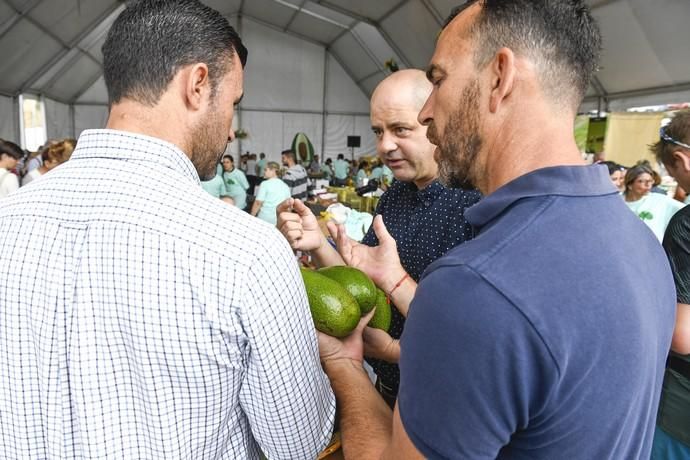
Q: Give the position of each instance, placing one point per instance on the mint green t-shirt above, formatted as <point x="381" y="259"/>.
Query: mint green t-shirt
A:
<point x="215" y="187"/>
<point x="340" y="168"/>
<point x="272" y="192"/>
<point x="261" y="166"/>
<point x="656" y="211"/>
<point x="236" y="184"/>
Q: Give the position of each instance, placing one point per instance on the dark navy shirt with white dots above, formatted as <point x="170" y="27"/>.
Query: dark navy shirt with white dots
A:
<point x="425" y="224"/>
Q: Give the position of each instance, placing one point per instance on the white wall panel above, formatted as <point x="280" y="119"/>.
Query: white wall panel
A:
<point x="338" y="127"/>
<point x="283" y="72"/>
<point x="58" y="120"/>
<point x="8" y="119"/>
<point x="89" y="117"/>
<point x="265" y="133"/>
<point x="342" y="94"/>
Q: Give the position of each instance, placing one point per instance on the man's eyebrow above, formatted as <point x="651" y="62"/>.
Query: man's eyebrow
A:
<point x="432" y="70"/>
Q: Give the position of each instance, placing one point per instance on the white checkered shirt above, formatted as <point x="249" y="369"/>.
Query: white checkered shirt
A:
<point x="141" y="318"/>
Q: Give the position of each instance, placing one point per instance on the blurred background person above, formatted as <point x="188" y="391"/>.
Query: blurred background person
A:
<point x="10" y="154"/>
<point x="272" y="192"/>
<point x="654" y="209"/>
<point x="235" y="182"/>
<point x="53" y="154"/>
<point x="617" y="174"/>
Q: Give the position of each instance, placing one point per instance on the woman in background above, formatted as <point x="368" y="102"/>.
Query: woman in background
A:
<point x="654" y="209"/>
<point x="53" y="154"/>
<point x="617" y="174"/>
<point x="272" y="192"/>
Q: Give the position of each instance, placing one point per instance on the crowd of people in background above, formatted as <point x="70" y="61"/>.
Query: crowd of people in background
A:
<point x="19" y="167"/>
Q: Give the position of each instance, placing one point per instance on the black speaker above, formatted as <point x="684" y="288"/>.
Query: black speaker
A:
<point x="353" y="141"/>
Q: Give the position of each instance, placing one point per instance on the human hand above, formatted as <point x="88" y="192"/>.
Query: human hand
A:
<point x="299" y="225"/>
<point x="381" y="263"/>
<point x="379" y="345"/>
<point x="332" y="349"/>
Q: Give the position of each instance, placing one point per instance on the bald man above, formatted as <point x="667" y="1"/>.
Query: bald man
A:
<point x="420" y="218"/>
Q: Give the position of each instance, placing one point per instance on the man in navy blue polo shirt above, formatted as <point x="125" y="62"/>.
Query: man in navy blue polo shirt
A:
<point x="545" y="336"/>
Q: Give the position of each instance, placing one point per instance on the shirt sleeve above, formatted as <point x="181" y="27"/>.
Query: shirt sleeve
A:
<point x="285" y="393"/>
<point x="263" y="191"/>
<point x="242" y="179"/>
<point x="677" y="247"/>
<point x="473" y="370"/>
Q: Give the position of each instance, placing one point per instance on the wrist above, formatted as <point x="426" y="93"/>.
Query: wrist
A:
<point x="393" y="281"/>
<point x="340" y="366"/>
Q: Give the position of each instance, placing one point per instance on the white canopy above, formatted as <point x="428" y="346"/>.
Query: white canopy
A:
<point x="313" y="64"/>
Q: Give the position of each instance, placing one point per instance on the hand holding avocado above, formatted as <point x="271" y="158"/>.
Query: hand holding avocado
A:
<point x="381" y="263"/>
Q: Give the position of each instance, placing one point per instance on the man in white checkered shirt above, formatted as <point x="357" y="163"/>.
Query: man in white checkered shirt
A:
<point x="141" y="318"/>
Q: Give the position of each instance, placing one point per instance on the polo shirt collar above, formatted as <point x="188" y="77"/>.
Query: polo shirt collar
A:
<point x="581" y="181"/>
<point x="125" y="145"/>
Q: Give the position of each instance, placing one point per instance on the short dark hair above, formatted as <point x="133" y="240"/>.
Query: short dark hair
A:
<point x="678" y="130"/>
<point x="612" y="166"/>
<point x="11" y="149"/>
<point x="229" y="157"/>
<point x="560" y="36"/>
<point x="152" y="39"/>
<point x="289" y="153"/>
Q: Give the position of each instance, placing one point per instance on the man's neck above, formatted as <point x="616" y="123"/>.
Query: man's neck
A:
<point x="517" y="149"/>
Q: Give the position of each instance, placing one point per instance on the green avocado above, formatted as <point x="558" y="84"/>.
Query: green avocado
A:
<point x="356" y="282"/>
<point x="382" y="315"/>
<point x="333" y="309"/>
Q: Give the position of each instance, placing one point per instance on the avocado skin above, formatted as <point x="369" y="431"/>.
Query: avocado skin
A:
<point x="334" y="311"/>
<point x="382" y="315"/>
<point x="356" y="282"/>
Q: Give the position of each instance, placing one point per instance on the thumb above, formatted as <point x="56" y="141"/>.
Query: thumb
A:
<point x="301" y="208"/>
<point x="285" y="206"/>
<point x="381" y="231"/>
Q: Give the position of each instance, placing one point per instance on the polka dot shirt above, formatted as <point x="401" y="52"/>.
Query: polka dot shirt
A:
<point x="425" y="224"/>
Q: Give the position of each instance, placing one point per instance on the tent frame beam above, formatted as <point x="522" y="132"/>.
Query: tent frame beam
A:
<point x="67" y="47"/>
<point x="643" y="92"/>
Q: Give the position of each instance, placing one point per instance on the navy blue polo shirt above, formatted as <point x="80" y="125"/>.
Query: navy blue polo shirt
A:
<point x="545" y="336"/>
<point x="425" y="224"/>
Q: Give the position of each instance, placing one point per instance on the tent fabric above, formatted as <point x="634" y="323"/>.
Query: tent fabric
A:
<point x="628" y="136"/>
<point x="52" y="48"/>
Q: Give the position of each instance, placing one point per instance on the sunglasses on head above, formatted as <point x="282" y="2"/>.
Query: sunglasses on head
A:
<point x="666" y="138"/>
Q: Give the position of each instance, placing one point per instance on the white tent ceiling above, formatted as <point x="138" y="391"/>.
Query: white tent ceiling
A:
<point x="52" y="47"/>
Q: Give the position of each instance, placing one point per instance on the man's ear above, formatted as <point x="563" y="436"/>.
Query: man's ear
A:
<point x="503" y="72"/>
<point x="681" y="159"/>
<point x="197" y="86"/>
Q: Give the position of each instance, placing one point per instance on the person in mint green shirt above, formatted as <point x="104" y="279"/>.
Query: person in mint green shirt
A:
<point x="654" y="209"/>
<point x="235" y="181"/>
<point x="272" y="192"/>
<point x="261" y="165"/>
<point x="341" y="169"/>
<point x="216" y="187"/>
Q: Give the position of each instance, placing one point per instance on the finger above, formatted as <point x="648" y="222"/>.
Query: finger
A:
<point x="301" y="208"/>
<point x="364" y="320"/>
<point x="285" y="206"/>
<point x="381" y="231"/>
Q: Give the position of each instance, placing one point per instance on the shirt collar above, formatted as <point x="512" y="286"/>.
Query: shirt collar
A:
<point x="125" y="145"/>
<point x="428" y="193"/>
<point x="558" y="180"/>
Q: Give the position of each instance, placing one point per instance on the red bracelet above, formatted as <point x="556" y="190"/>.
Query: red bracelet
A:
<point x="397" y="285"/>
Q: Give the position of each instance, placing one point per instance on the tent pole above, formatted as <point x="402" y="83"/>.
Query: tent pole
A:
<point x="324" y="106"/>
